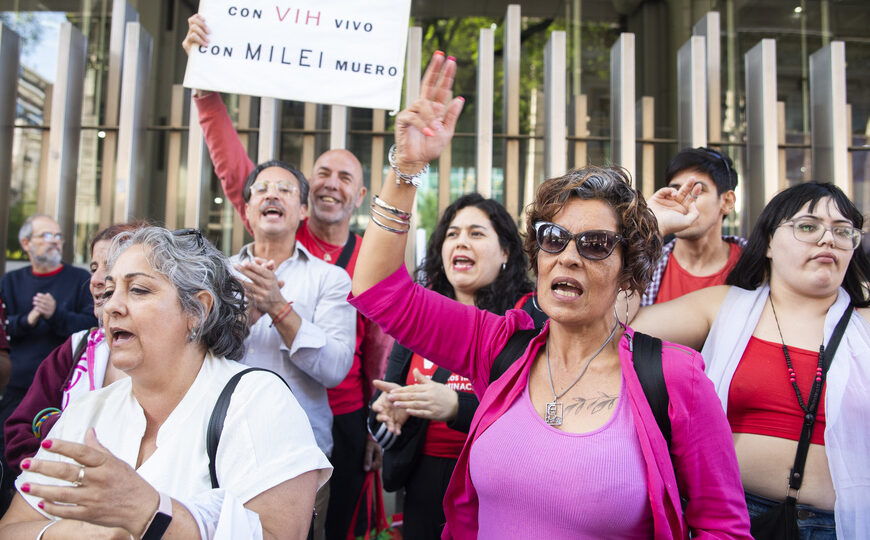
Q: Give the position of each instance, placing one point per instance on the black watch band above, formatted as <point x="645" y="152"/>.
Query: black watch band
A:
<point x="161" y="520"/>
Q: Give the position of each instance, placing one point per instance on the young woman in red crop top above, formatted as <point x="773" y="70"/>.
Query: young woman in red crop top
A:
<point x="761" y="336"/>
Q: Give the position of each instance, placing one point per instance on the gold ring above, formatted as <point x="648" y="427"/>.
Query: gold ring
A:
<point x="80" y="478"/>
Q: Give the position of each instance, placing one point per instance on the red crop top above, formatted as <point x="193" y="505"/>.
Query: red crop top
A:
<point x="761" y="399"/>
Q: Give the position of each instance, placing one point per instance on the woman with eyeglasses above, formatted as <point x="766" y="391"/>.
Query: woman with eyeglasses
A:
<point x="564" y="444"/>
<point x="761" y="336"/>
<point x="130" y="459"/>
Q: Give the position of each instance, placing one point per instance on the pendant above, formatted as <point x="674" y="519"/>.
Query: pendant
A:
<point x="554" y="413"/>
<point x="327" y="257"/>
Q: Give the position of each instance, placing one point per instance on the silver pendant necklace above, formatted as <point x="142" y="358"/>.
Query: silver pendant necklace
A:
<point x="553" y="414"/>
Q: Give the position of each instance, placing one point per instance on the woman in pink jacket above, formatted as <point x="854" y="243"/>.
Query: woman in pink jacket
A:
<point x="564" y="444"/>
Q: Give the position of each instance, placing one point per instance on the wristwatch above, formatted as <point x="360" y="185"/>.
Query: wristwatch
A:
<point x="160" y="521"/>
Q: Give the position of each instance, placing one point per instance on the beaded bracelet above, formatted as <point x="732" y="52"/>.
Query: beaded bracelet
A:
<point x="415" y="180"/>
<point x="281" y="314"/>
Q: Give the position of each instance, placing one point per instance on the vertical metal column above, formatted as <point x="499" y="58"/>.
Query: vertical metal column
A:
<point x="780" y="141"/>
<point x="309" y="123"/>
<point x="249" y="107"/>
<point x="66" y="130"/>
<point x="709" y="27"/>
<point x="646" y="129"/>
<point x="379" y="123"/>
<point x="830" y="138"/>
<point x="122" y="13"/>
<point x="622" y="103"/>
<point x="413" y="70"/>
<point x="762" y="179"/>
<point x="692" y="94"/>
<point x="198" y="172"/>
<point x="177" y="109"/>
<point x="268" y="143"/>
<point x="555" y="113"/>
<point x="135" y="85"/>
<point x="511" y="112"/>
<point x="44" y="153"/>
<point x="581" y="122"/>
<point x="485" y="98"/>
<point x="10" y="52"/>
<point x="338" y="127"/>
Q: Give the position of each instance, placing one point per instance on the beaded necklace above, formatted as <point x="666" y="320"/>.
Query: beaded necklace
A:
<point x="816" y="388"/>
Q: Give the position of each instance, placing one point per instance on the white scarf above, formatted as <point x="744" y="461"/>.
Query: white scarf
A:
<point x="847" y="399"/>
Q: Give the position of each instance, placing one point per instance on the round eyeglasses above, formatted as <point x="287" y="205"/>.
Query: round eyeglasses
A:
<point x="593" y="245"/>
<point x="812" y="231"/>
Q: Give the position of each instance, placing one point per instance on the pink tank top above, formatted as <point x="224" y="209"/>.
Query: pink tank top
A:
<point x="534" y="481"/>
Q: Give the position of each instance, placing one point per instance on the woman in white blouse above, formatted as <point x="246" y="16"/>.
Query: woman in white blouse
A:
<point x="130" y="459"/>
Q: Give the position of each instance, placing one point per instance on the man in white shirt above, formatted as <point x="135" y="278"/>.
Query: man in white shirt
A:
<point x="300" y="322"/>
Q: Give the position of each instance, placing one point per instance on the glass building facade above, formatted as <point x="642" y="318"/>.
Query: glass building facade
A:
<point x="800" y="27"/>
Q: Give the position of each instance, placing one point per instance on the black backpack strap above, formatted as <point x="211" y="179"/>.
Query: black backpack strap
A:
<point x="218" y="415"/>
<point x="347" y="251"/>
<point x="647" y="358"/>
<point x="511" y="352"/>
<point x="535" y="312"/>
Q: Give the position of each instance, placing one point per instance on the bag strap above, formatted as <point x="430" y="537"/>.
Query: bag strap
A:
<point x="797" y="472"/>
<point x="219" y="414"/>
<point x="514" y="347"/>
<point x="347" y="251"/>
<point x="647" y="359"/>
<point x="82" y="345"/>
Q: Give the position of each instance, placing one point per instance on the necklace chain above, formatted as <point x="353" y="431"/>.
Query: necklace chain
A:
<point x="554" y="408"/>
<point x="328" y="253"/>
<point x="817" y="382"/>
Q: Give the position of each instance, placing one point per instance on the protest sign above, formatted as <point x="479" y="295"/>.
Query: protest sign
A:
<point x="339" y="52"/>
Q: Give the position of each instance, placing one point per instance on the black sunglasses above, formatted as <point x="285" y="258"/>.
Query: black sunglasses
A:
<point x="593" y="245"/>
<point x="722" y="159"/>
<point x="190" y="232"/>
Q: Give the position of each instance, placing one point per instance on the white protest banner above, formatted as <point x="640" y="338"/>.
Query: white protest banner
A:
<point x="338" y="52"/>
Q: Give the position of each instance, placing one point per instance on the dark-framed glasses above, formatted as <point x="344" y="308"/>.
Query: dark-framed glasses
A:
<point x="593" y="245"/>
<point x="812" y="231"/>
<point x="49" y="236"/>
<point x="190" y="232"/>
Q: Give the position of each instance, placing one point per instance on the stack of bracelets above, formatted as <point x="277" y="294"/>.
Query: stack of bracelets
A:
<point x="40" y="419"/>
<point x="382" y="210"/>
<point x="283" y="313"/>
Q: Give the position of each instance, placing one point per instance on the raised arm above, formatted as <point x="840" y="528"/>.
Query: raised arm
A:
<point x="686" y="320"/>
<point x="423" y="130"/>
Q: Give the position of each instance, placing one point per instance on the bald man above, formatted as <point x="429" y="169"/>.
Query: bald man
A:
<point x="336" y="191"/>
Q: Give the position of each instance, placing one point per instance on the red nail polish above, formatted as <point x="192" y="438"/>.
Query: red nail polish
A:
<point x="428" y="132"/>
<point x="462" y="99"/>
<point x="439" y="53"/>
<point x="451" y="58"/>
<point x="46" y="444"/>
<point x="25" y="488"/>
<point x="25" y="464"/>
<point x="41" y="504"/>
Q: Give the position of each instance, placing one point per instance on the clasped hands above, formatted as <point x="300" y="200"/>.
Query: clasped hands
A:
<point x="44" y="306"/>
<point x="263" y="289"/>
<point x="111" y="499"/>
<point x="426" y="399"/>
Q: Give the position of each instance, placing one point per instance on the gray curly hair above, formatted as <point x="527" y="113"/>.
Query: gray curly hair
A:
<point x="192" y="264"/>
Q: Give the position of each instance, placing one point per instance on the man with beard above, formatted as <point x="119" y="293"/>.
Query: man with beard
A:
<point x="700" y="256"/>
<point x="336" y="191"/>
<point x="301" y="325"/>
<point x="46" y="302"/>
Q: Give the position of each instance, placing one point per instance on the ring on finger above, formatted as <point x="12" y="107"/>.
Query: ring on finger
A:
<point x="80" y="477"/>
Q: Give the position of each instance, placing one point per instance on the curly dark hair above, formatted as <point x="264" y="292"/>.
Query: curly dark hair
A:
<point x="753" y="267"/>
<point x="510" y="284"/>
<point x="192" y="264"/>
<point x="641" y="243"/>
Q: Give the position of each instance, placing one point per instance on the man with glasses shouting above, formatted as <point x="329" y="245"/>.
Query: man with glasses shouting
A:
<point x="45" y="302"/>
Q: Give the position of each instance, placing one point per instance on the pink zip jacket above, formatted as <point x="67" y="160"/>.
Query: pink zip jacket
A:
<point x="466" y="340"/>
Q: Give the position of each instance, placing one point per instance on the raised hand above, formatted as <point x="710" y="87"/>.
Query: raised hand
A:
<point x="426" y="126"/>
<point x="45" y="304"/>
<point x="197" y="33"/>
<point x="675" y="209"/>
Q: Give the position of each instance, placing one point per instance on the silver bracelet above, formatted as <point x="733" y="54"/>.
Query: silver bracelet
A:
<point x="404" y="222"/>
<point x="387" y="227"/>
<point x="401" y="214"/>
<point x="415" y="180"/>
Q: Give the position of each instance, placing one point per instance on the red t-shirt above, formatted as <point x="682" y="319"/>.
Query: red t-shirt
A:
<point x="441" y="441"/>
<point x="349" y="395"/>
<point x="676" y="281"/>
<point x="761" y="399"/>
